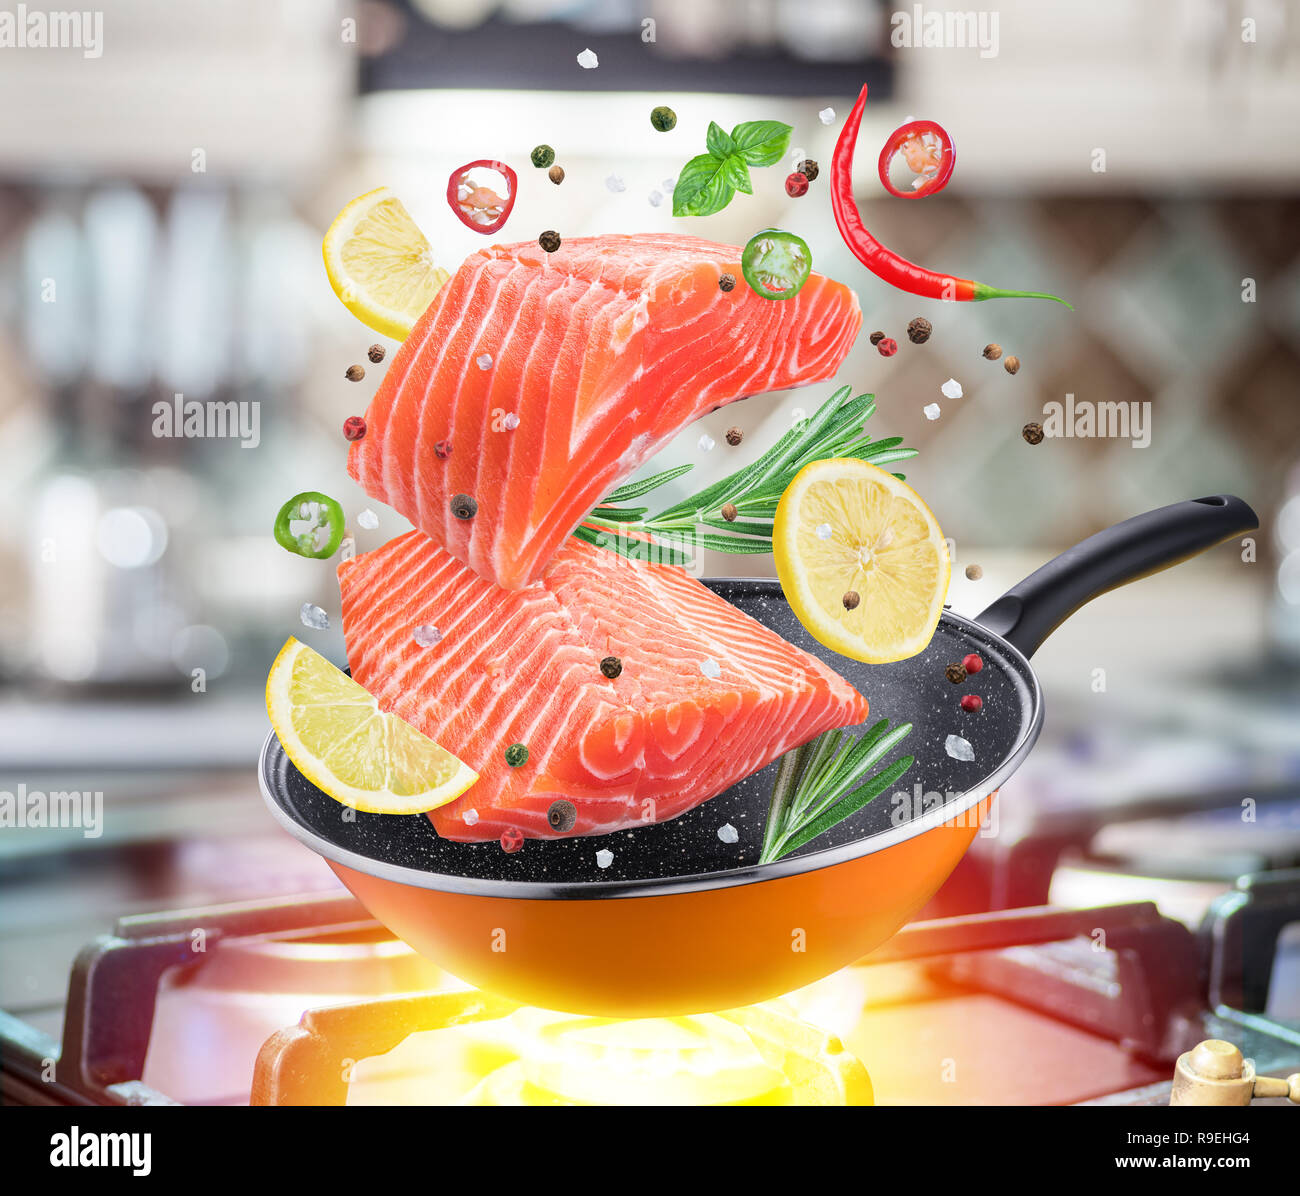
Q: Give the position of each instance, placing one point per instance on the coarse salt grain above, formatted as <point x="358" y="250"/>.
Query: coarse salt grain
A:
<point x="707" y="443"/>
<point x="826" y="115"/>
<point x="656" y="198"/>
<point x="588" y="60"/>
<point x="931" y="411"/>
<point x="615" y="184"/>
<point x="728" y="833"/>
<point x="824" y="531"/>
<point x="958" y="748"/>
<point x="951" y="389"/>
<point x="604" y="857"/>
<point x="711" y="668"/>
<point x="314" y="617"/>
<point x="470" y="817"/>
<point x="511" y="421"/>
<point x="368" y="519"/>
<point x="426" y="635"/>
<point x="483" y="361"/>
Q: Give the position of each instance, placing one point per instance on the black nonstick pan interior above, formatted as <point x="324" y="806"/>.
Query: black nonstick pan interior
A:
<point x="914" y="691"/>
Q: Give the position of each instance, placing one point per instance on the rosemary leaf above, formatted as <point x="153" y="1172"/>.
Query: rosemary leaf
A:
<point x="737" y="545"/>
<point x="645" y="485"/>
<point x="783" y="790"/>
<point x="604" y="514"/>
<point x="742" y="527"/>
<point x="849" y="806"/>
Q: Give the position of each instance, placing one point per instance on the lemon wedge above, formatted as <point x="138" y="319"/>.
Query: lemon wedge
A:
<point x="380" y="264"/>
<point x="339" y="739"/>
<point x="845" y="529"/>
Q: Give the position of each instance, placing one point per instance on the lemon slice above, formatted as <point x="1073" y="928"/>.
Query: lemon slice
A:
<point x="380" y="264"/>
<point x="846" y="526"/>
<point x="339" y="739"/>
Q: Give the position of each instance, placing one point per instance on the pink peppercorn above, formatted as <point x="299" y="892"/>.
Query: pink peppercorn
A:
<point x="796" y="185"/>
<point x="442" y="450"/>
<point x="972" y="663"/>
<point x="354" y="427"/>
<point x="887" y="347"/>
<point x="972" y="703"/>
<point x="512" y="840"/>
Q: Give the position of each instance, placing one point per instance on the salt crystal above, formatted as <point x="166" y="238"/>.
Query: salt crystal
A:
<point x="615" y="184"/>
<point x="604" y="857"/>
<point x="312" y="616"/>
<point x="511" y="421"/>
<point x="368" y="519"/>
<point x="798" y="417"/>
<point x="931" y="410"/>
<point x="958" y="748"/>
<point x="656" y="198"/>
<point x="669" y="185"/>
<point x="951" y="389"/>
<point x="426" y="635"/>
<point x="824" y="531"/>
<point x="710" y="668"/>
<point x="588" y="60"/>
<point x="483" y="361"/>
<point x="826" y="115"/>
<point x="348" y="549"/>
<point x="728" y="833"/>
<point x="470" y="817"/>
<point x="706" y="443"/>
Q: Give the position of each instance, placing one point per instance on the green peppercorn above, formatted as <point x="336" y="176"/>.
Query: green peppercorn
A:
<point x="663" y="118"/>
<point x="516" y="755"/>
<point x="562" y="815"/>
<point x="549" y="240"/>
<point x="611" y="666"/>
<point x="542" y="156"/>
<point x="463" y="506"/>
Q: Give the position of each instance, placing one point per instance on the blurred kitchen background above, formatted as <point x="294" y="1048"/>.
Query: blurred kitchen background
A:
<point x="161" y="210"/>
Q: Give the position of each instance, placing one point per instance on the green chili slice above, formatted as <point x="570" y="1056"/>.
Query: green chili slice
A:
<point x="321" y="513"/>
<point x="776" y="264"/>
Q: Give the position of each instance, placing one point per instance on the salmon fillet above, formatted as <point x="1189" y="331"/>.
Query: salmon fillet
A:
<point x="602" y="351"/>
<point x="523" y="666"/>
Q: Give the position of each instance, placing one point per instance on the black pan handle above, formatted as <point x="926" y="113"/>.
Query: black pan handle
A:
<point x="1029" y="612"/>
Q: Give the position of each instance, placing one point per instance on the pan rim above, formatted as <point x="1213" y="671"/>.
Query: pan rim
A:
<point x="597" y="890"/>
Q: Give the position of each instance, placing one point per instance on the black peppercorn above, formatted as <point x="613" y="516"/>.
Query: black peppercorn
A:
<point x="807" y="168"/>
<point x="1033" y="433"/>
<point x="876" y="337"/>
<point x="463" y="507"/>
<point x="955" y="673"/>
<point x="727" y="282"/>
<point x="612" y="667"/>
<point x="376" y="353"/>
<point x="549" y="240"/>
<point x="562" y="815"/>
<point x="354" y="373"/>
<point x="918" y="331"/>
<point x="734" y="436"/>
<point x="851" y="600"/>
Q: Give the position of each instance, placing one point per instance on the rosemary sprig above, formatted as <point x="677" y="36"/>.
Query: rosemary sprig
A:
<point x="835" y="429"/>
<point x="821" y="784"/>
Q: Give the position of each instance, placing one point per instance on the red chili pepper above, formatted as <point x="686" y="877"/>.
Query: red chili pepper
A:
<point x="481" y="208"/>
<point x="931" y="160"/>
<point x="882" y="262"/>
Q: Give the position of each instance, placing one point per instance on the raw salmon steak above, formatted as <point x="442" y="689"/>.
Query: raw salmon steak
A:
<point x="552" y="376"/>
<point x="706" y="695"/>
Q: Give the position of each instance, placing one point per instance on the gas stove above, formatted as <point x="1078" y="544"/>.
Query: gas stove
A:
<point x="308" y="1001"/>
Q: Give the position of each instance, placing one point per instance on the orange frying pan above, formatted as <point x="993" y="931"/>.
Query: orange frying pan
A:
<point x="681" y="921"/>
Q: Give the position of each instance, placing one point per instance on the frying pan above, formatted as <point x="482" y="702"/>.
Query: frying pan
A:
<point x="683" y="922"/>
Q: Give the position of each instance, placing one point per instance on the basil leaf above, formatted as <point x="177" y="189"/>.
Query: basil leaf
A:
<point x="761" y="142"/>
<point x="737" y="174"/>
<point x="718" y="141"/>
<point x="702" y="187"/>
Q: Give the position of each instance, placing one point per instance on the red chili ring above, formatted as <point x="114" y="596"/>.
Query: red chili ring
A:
<point x="458" y="176"/>
<point x="904" y="133"/>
